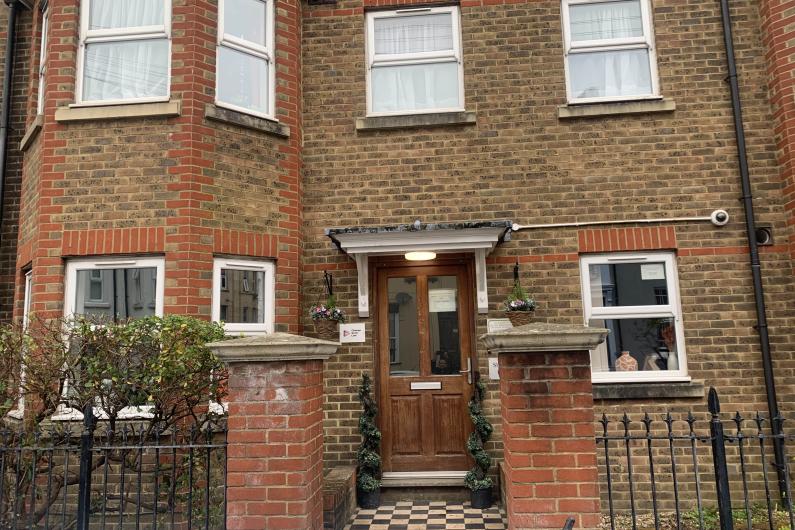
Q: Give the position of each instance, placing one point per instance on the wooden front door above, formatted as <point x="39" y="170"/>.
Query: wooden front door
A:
<point x="424" y="352"/>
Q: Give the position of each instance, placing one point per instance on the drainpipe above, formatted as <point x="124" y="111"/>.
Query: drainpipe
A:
<point x="5" y="104"/>
<point x="756" y="267"/>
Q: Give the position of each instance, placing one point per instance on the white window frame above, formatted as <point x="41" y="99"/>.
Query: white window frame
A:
<point x="672" y="310"/>
<point x="104" y="262"/>
<point x="374" y="60"/>
<point x="45" y="23"/>
<point x="92" y="36"/>
<point x="250" y="265"/>
<point x="65" y="413"/>
<point x="256" y="50"/>
<point x="645" y="42"/>
<point x="19" y="412"/>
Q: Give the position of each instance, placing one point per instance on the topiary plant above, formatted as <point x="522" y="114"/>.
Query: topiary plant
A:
<point x="368" y="471"/>
<point x="477" y="479"/>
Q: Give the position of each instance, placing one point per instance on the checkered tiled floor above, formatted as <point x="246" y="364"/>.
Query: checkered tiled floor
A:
<point x="428" y="516"/>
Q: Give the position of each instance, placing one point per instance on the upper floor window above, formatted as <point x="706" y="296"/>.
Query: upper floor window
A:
<point x="414" y="61"/>
<point x="243" y="295"/>
<point x="45" y="19"/>
<point x="245" y="72"/>
<point x="609" y="49"/>
<point x="114" y="288"/>
<point x="636" y="297"/>
<point x="124" y="51"/>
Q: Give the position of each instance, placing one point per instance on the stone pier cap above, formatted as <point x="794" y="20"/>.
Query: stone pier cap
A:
<point x="544" y="337"/>
<point x="273" y="347"/>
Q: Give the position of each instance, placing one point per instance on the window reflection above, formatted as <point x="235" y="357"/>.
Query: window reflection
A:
<point x="443" y="325"/>
<point x="628" y="284"/>
<point x="116" y="293"/>
<point x="404" y="337"/>
<point x="242" y="296"/>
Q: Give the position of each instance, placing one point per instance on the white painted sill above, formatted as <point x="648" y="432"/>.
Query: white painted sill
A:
<point x="128" y="413"/>
<point x="167" y="109"/>
<point x="638" y="377"/>
<point x="615" y="108"/>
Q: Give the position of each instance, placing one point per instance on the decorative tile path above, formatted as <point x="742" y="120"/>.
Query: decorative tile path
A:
<point x="428" y="516"/>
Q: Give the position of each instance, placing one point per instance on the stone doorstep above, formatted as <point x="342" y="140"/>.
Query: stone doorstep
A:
<point x="339" y="496"/>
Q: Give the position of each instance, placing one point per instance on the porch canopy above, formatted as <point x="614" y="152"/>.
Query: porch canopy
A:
<point x="479" y="238"/>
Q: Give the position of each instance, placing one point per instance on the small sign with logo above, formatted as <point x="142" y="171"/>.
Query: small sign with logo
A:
<point x="352" y="332"/>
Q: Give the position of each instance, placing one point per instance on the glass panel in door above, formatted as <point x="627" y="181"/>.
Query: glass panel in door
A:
<point x="443" y="332"/>
<point x="404" y="333"/>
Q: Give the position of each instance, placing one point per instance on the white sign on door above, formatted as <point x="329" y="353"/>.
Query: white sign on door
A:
<point x="352" y="332"/>
<point x="441" y="300"/>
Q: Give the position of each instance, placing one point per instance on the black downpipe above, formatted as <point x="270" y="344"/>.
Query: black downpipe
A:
<point x="756" y="267"/>
<point x="5" y="106"/>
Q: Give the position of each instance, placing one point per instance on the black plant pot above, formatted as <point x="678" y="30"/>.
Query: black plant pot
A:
<point x="481" y="499"/>
<point x="369" y="499"/>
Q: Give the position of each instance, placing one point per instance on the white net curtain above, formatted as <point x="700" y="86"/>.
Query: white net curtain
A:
<point x="136" y="67"/>
<point x="619" y="72"/>
<point x="422" y="85"/>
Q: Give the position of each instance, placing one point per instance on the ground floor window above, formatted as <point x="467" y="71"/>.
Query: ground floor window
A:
<point x="115" y="288"/>
<point x="243" y="295"/>
<point x="636" y="297"/>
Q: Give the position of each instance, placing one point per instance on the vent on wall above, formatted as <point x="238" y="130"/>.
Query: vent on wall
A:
<point x="764" y="236"/>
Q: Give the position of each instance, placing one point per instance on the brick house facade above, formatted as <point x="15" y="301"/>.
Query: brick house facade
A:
<point x="187" y="180"/>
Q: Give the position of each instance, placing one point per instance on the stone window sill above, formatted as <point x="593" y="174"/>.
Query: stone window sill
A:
<point x="591" y="110"/>
<point x="167" y="109"/>
<point x="32" y="132"/>
<point x="247" y="121"/>
<point x="690" y="390"/>
<point x="407" y="121"/>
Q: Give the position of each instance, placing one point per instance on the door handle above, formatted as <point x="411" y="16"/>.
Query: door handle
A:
<point x="468" y="371"/>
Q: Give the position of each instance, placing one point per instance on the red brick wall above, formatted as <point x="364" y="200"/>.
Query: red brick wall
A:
<point x="275" y="452"/>
<point x="550" y="454"/>
<point x="778" y="30"/>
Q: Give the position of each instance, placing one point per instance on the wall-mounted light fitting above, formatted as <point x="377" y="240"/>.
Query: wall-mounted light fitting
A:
<point x="422" y="255"/>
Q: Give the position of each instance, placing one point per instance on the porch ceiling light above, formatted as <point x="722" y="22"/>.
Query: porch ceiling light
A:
<point x="422" y="255"/>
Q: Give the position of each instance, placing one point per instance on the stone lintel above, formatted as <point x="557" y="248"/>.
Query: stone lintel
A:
<point x="273" y="347"/>
<point x="544" y="337"/>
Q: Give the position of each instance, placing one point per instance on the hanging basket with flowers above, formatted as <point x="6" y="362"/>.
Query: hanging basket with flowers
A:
<point x="327" y="315"/>
<point x="519" y="306"/>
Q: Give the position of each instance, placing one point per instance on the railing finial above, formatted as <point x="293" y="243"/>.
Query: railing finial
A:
<point x="713" y="403"/>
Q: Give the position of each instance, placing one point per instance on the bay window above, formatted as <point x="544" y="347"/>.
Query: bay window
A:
<point x="609" y="50"/>
<point x="636" y="297"/>
<point x="245" y="70"/>
<point x="414" y="61"/>
<point x="125" y="51"/>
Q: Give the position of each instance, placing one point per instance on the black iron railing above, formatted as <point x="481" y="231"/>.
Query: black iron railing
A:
<point x="685" y="471"/>
<point x="140" y="477"/>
